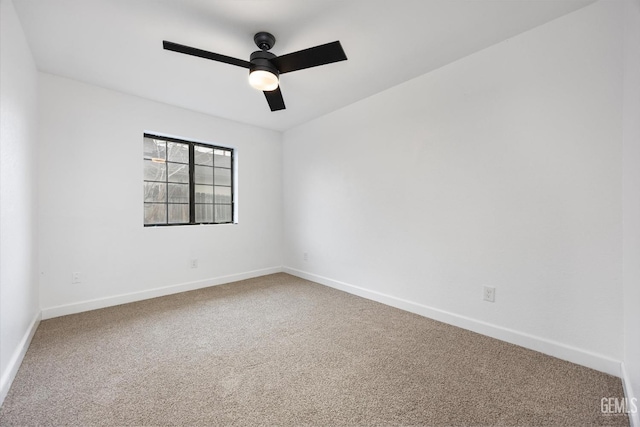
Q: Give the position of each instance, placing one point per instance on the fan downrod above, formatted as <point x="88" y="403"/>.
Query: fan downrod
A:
<point x="264" y="40"/>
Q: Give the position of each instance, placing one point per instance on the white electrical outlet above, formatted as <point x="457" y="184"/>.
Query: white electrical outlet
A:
<point x="489" y="294"/>
<point x="194" y="263"/>
<point x="305" y="256"/>
<point x="76" y="277"/>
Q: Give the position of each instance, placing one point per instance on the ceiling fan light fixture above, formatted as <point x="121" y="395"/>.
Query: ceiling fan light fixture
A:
<point x="263" y="80"/>
<point x="263" y="75"/>
<point x="265" y="67"/>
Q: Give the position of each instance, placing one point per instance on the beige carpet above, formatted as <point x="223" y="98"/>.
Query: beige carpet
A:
<point x="279" y="350"/>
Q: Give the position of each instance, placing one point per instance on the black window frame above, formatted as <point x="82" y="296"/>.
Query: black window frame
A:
<point x="192" y="184"/>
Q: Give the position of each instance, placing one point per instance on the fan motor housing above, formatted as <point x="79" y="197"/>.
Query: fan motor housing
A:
<point x="261" y="60"/>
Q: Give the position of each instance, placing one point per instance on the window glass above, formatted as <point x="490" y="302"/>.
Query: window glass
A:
<point x="186" y="182"/>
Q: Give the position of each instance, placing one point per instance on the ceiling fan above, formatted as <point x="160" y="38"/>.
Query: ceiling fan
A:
<point x="265" y="67"/>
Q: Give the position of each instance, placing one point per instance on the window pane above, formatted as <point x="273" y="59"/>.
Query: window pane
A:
<point x="178" y="193"/>
<point x="177" y="152"/>
<point x="203" y="155"/>
<point x="155" y="171"/>
<point x="178" y="214"/>
<point x="203" y="175"/>
<point x="173" y="173"/>
<point x="155" y="213"/>
<point x="222" y="158"/>
<point x="178" y="172"/>
<point x="154" y="149"/>
<point x="204" y="194"/>
<point x="204" y="213"/>
<point x="223" y="176"/>
<point x="155" y="192"/>
<point x="223" y="194"/>
<point x="223" y="213"/>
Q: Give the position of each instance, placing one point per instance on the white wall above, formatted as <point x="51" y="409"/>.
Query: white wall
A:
<point x="500" y="169"/>
<point x="19" y="307"/>
<point x="91" y="211"/>
<point x="631" y="199"/>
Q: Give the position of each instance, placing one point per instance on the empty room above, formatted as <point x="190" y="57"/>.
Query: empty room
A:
<point x="320" y="212"/>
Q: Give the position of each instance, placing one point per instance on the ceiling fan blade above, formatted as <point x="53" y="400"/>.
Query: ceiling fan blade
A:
<point x="312" y="57"/>
<point x="275" y="100"/>
<point x="204" y="54"/>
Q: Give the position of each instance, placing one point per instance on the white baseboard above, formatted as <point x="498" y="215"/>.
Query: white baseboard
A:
<point x="552" y="348"/>
<point x="63" y="310"/>
<point x="634" y="417"/>
<point x="16" y="359"/>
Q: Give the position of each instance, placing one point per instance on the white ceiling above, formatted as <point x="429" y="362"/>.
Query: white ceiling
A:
<point x="117" y="44"/>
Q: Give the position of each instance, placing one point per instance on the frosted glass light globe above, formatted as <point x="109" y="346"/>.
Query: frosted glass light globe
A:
<point x="263" y="80"/>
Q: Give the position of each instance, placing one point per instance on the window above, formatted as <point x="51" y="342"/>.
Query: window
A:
<point x="186" y="182"/>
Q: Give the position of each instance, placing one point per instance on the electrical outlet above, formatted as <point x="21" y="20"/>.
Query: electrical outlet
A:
<point x="489" y="294"/>
<point x="305" y="256"/>
<point x="194" y="263"/>
<point x="76" y="278"/>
